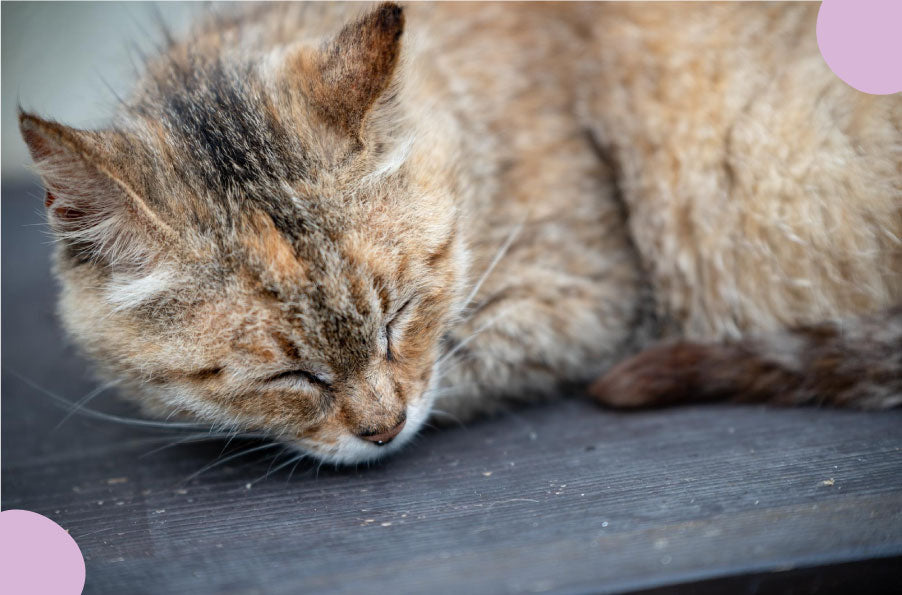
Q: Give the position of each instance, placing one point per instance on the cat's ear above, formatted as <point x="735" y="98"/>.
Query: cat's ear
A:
<point x="90" y="205"/>
<point x="352" y="70"/>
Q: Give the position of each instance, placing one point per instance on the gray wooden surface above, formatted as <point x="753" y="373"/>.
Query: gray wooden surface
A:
<point x="562" y="498"/>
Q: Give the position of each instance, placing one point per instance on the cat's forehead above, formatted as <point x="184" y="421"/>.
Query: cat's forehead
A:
<point x="216" y="126"/>
<point x="225" y="137"/>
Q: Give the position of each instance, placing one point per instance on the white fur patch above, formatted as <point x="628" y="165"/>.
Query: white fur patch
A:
<point x="127" y="292"/>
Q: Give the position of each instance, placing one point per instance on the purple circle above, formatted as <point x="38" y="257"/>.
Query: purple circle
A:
<point x="38" y="557"/>
<point x="861" y="41"/>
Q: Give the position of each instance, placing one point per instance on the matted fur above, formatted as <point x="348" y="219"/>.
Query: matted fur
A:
<point x="317" y="220"/>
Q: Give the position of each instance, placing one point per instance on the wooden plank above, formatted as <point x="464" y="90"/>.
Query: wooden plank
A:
<point x="871" y="576"/>
<point x="559" y="498"/>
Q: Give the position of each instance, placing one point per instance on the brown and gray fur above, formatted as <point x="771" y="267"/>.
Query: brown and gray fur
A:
<point x="318" y="220"/>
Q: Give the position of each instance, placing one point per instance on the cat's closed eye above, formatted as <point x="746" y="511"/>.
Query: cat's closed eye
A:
<point x="390" y="327"/>
<point x="298" y="377"/>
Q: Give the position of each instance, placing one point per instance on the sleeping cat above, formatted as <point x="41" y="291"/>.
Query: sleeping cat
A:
<point x="321" y="222"/>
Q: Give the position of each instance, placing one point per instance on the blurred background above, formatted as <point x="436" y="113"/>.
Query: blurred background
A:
<point x="65" y="60"/>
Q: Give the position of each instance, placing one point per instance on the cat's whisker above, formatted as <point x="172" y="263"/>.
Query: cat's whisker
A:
<point x="145" y="423"/>
<point x="444" y="391"/>
<point x="276" y="458"/>
<point x="300" y="458"/>
<point x="232" y="457"/>
<point x="453" y="417"/>
<point x="170" y="415"/>
<point x="83" y="401"/>
<point x="228" y="442"/>
<point x="497" y="258"/>
<point x="442" y="371"/>
<point x="228" y="433"/>
<point x="472" y="336"/>
<point x="295" y="460"/>
<point x="163" y="28"/>
<point x="130" y="421"/>
<point x="184" y="440"/>
<point x="454" y="364"/>
<point x="103" y="80"/>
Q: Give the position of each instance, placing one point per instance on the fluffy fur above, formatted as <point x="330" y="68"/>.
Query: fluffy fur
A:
<point x="317" y="221"/>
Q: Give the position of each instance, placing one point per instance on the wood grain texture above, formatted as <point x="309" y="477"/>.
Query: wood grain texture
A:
<point x="563" y="498"/>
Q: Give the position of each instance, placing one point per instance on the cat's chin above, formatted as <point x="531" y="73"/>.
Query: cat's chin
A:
<point x="351" y="450"/>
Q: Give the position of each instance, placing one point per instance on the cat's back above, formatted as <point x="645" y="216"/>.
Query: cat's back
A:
<point x="763" y="190"/>
<point x="482" y="55"/>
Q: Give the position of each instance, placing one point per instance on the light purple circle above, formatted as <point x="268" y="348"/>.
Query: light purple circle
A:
<point x="861" y="41"/>
<point x="38" y="557"/>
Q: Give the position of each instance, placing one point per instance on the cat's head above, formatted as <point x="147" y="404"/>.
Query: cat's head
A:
<point x="255" y="245"/>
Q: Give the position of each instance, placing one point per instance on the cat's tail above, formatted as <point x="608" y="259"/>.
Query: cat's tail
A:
<point x="856" y="363"/>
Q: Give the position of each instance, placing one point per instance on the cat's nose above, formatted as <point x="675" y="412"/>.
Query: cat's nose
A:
<point x="381" y="438"/>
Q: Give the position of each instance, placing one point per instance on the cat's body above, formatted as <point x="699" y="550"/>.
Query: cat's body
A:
<point x="317" y="234"/>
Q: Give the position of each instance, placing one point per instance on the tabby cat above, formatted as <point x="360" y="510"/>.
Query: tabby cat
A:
<point x="319" y="221"/>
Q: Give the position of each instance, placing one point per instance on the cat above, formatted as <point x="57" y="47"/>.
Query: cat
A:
<point x="328" y="222"/>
